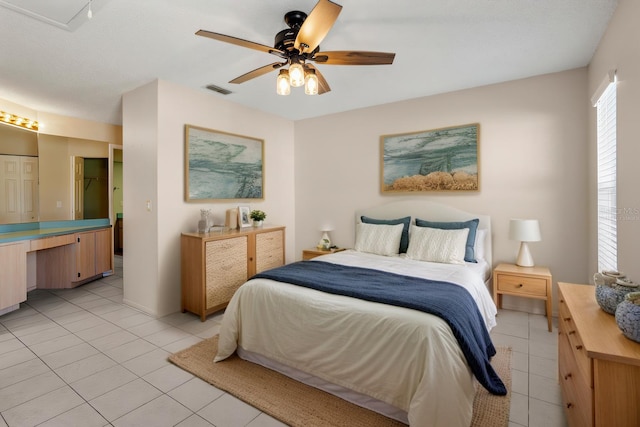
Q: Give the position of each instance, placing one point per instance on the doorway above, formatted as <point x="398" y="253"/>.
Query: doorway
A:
<point x="96" y="188"/>
<point x="115" y="197"/>
<point x="90" y="188"/>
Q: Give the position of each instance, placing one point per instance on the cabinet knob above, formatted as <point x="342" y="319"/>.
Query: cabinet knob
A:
<point x="569" y="405"/>
<point x="566" y="319"/>
<point x="566" y="377"/>
<point x="572" y="332"/>
<point x="520" y="285"/>
<point x="578" y="347"/>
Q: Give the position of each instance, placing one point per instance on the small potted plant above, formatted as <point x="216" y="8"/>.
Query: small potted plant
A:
<point x="257" y="216"/>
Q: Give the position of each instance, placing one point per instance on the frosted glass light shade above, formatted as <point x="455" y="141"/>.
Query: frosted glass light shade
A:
<point x="524" y="230"/>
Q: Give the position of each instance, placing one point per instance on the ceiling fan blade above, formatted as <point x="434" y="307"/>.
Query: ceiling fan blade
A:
<point x="241" y="42"/>
<point x="343" y="57"/>
<point x="257" y="72"/>
<point x="323" y="86"/>
<point x="317" y="25"/>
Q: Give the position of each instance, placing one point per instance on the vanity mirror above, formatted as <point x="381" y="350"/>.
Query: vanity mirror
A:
<point x="52" y="178"/>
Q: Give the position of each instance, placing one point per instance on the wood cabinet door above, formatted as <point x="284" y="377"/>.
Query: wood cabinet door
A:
<point x="103" y="250"/>
<point x="85" y="255"/>
<point x="13" y="274"/>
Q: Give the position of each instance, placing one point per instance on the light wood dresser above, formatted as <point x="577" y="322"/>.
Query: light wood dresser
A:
<point x="599" y="367"/>
<point x="214" y="265"/>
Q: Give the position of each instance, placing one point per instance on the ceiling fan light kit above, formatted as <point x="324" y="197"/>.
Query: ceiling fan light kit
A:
<point x="283" y="87"/>
<point x="298" y="46"/>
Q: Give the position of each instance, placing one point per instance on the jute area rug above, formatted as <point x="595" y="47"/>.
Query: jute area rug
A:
<point x="300" y="405"/>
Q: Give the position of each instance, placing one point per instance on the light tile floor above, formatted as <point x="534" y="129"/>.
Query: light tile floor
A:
<point x="80" y="357"/>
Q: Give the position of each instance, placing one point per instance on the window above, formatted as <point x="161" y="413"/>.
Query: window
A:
<point x="607" y="213"/>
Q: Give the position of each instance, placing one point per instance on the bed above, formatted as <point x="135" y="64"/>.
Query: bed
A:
<point x="399" y="360"/>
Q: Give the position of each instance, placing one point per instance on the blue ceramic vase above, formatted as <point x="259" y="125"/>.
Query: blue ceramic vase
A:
<point x="628" y="316"/>
<point x="609" y="296"/>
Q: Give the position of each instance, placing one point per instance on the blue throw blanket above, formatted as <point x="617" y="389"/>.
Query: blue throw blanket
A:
<point x="448" y="301"/>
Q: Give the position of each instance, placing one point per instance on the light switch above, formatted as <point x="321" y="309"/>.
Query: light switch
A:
<point x="149" y="205"/>
<point x="58" y="204"/>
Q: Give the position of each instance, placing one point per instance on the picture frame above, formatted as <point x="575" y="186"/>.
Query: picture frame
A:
<point x="444" y="159"/>
<point x="221" y="166"/>
<point x="244" y="220"/>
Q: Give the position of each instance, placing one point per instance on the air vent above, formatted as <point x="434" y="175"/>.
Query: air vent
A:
<point x="219" y="89"/>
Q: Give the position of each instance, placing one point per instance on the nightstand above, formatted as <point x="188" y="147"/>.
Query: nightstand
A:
<point x="312" y="253"/>
<point x="528" y="282"/>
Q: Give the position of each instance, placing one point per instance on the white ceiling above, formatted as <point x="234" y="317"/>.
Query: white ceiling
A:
<point x="54" y="59"/>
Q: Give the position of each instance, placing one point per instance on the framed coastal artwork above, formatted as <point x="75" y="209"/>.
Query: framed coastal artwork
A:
<point x="221" y="166"/>
<point x="443" y="159"/>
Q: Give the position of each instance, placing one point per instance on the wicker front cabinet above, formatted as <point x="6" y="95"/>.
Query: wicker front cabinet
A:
<point x="214" y="265"/>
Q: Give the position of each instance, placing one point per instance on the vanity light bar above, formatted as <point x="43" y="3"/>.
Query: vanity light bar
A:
<point x="22" y="122"/>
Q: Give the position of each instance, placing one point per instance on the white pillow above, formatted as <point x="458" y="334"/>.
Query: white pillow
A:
<point x="478" y="247"/>
<point x="380" y="239"/>
<point x="437" y="245"/>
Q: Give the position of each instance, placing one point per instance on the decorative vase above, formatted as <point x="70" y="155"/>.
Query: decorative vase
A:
<point x="257" y="223"/>
<point x="628" y="316"/>
<point x="610" y="291"/>
<point x="325" y="243"/>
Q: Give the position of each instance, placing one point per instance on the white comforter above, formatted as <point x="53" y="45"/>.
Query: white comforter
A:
<point x="400" y="356"/>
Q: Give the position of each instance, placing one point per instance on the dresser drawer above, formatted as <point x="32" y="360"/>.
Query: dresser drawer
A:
<point x="568" y="328"/>
<point x="522" y="285"/>
<point x="52" y="242"/>
<point x="269" y="250"/>
<point x="576" y="391"/>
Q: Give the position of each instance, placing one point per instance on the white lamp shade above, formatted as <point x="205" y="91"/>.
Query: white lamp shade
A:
<point x="524" y="230"/>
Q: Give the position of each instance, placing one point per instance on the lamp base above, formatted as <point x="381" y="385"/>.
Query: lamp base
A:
<point x="324" y="243"/>
<point x="524" y="256"/>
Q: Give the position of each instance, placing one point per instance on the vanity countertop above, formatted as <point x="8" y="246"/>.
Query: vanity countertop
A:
<point x="37" y="230"/>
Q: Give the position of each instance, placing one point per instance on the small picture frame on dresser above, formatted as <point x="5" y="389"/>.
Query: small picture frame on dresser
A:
<point x="243" y="216"/>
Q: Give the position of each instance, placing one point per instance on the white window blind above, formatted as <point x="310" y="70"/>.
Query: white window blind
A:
<point x="607" y="213"/>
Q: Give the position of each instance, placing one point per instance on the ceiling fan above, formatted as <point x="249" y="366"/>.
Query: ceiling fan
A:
<point x="298" y="46"/>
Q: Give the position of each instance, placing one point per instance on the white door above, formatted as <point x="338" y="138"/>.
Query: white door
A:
<point x="10" y="199"/>
<point x="78" y="188"/>
<point x="29" y="186"/>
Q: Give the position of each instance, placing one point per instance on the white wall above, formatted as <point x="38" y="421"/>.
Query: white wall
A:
<point x="141" y="183"/>
<point x="153" y="169"/>
<point x="533" y="164"/>
<point x="620" y="50"/>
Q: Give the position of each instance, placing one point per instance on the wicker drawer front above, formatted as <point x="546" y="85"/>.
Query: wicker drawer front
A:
<point x="226" y="269"/>
<point x="576" y="391"/>
<point x="269" y="250"/>
<point x="522" y="285"/>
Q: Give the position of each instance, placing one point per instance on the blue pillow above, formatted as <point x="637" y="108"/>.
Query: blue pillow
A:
<point x="472" y="225"/>
<point x="404" y="239"/>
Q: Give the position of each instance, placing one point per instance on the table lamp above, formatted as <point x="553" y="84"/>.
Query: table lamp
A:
<point x="524" y="230"/>
<point x="325" y="242"/>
